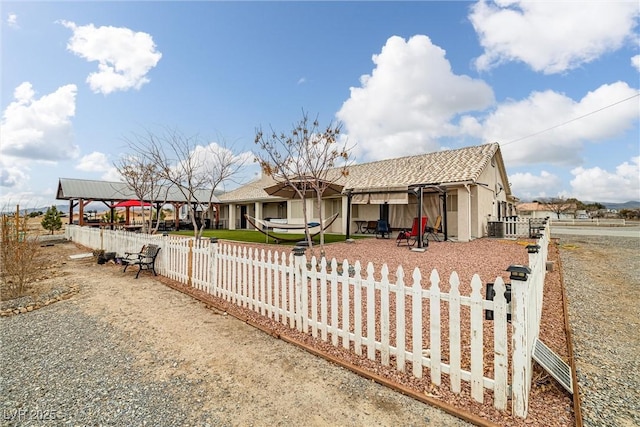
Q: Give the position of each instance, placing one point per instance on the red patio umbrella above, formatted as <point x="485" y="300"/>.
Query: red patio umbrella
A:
<point x="130" y="204"/>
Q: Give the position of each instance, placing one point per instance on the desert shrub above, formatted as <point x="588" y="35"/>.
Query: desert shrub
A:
<point x="20" y="259"/>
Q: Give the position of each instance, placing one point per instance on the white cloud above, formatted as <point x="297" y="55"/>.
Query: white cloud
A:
<point x="622" y="185"/>
<point x="39" y="129"/>
<point x="94" y="162"/>
<point x="528" y="186"/>
<point x="302" y="80"/>
<point x="111" y="174"/>
<point x="635" y="62"/>
<point x="12" y="172"/>
<point x="408" y="100"/>
<point x="12" y="20"/>
<point x="124" y="57"/>
<point x="563" y="144"/>
<point x="551" y="37"/>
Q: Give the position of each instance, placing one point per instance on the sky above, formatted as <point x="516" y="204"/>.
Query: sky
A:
<point x="556" y="84"/>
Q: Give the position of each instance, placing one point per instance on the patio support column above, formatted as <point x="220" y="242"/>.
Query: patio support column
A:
<point x="444" y="214"/>
<point x="232" y="216"/>
<point x="258" y="210"/>
<point x="348" y="224"/>
<point x="420" y="230"/>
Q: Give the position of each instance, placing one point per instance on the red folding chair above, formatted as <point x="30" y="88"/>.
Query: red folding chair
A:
<point x="411" y="237"/>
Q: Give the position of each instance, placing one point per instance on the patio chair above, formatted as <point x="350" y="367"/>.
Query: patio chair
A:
<point x="382" y="230"/>
<point x="371" y="227"/>
<point x="409" y="238"/>
<point x="435" y="230"/>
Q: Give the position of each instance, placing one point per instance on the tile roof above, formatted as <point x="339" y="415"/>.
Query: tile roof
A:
<point x="440" y="167"/>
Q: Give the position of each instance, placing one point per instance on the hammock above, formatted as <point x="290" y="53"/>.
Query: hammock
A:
<point x="263" y="226"/>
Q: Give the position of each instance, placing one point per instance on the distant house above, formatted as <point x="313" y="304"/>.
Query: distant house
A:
<point x="467" y="187"/>
<point x="546" y="210"/>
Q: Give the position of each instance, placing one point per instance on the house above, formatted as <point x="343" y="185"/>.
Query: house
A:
<point x="546" y="210"/>
<point x="466" y="187"/>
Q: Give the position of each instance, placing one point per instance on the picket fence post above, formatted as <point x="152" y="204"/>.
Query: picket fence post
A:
<point x="521" y="364"/>
<point x="213" y="265"/>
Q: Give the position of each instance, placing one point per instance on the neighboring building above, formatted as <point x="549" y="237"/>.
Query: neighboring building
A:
<point x="546" y="210"/>
<point x="467" y="187"/>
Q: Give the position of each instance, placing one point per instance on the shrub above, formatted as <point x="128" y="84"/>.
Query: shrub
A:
<point x="19" y="256"/>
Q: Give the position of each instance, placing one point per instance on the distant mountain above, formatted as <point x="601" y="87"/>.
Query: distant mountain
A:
<point x="61" y="208"/>
<point x="634" y="204"/>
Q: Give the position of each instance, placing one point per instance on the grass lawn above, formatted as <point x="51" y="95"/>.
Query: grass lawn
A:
<point x="253" y="236"/>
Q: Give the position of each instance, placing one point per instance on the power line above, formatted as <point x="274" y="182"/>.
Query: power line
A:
<point x="572" y="120"/>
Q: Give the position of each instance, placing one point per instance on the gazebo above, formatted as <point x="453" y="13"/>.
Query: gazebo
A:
<point x="80" y="193"/>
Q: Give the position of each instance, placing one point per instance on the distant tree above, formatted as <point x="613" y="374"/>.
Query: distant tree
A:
<point x="52" y="220"/>
<point x="630" y="213"/>
<point x="308" y="159"/>
<point x="106" y="217"/>
<point x="559" y="205"/>
<point x="35" y="214"/>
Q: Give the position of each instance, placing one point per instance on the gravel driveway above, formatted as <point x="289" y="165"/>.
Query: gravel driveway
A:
<point x="602" y="281"/>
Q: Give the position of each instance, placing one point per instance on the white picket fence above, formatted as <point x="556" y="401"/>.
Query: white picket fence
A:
<point x="395" y="321"/>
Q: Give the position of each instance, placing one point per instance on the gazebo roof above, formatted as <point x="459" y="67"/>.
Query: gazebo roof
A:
<point x="72" y="189"/>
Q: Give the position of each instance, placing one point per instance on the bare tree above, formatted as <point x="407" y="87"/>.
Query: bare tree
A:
<point x="144" y="178"/>
<point x="558" y="205"/>
<point x="309" y="159"/>
<point x="192" y="168"/>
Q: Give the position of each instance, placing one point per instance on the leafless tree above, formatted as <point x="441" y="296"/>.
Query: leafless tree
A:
<point x="187" y="165"/>
<point x="146" y="181"/>
<point x="309" y="159"/>
<point x="558" y="205"/>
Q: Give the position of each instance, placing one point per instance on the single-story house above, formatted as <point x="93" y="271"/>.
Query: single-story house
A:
<point x="546" y="210"/>
<point x="467" y="187"/>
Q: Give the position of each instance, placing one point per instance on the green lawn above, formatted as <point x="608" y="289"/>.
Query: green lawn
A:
<point x="253" y="236"/>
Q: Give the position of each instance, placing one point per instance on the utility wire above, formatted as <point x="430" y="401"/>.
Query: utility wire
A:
<point x="572" y="120"/>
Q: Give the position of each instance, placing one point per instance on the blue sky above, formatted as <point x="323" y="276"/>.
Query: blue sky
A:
<point x="555" y="83"/>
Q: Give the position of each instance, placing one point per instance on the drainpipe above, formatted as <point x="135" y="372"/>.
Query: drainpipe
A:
<point x="420" y="196"/>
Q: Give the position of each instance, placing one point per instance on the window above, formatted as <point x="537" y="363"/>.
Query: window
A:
<point x="452" y="202"/>
<point x="296" y="208"/>
<point x="333" y="206"/>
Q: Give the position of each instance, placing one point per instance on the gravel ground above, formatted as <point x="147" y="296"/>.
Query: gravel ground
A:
<point x="602" y="281"/>
<point x="62" y="367"/>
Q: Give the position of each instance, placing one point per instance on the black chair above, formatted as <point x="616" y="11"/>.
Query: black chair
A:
<point x="435" y="230"/>
<point x="382" y="229"/>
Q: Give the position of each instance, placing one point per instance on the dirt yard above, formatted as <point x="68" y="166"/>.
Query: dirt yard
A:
<point x="236" y="374"/>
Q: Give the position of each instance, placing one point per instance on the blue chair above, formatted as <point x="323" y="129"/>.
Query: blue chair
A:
<point x="382" y="229"/>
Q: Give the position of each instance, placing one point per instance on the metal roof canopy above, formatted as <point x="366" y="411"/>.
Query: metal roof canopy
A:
<point x="73" y="189"/>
